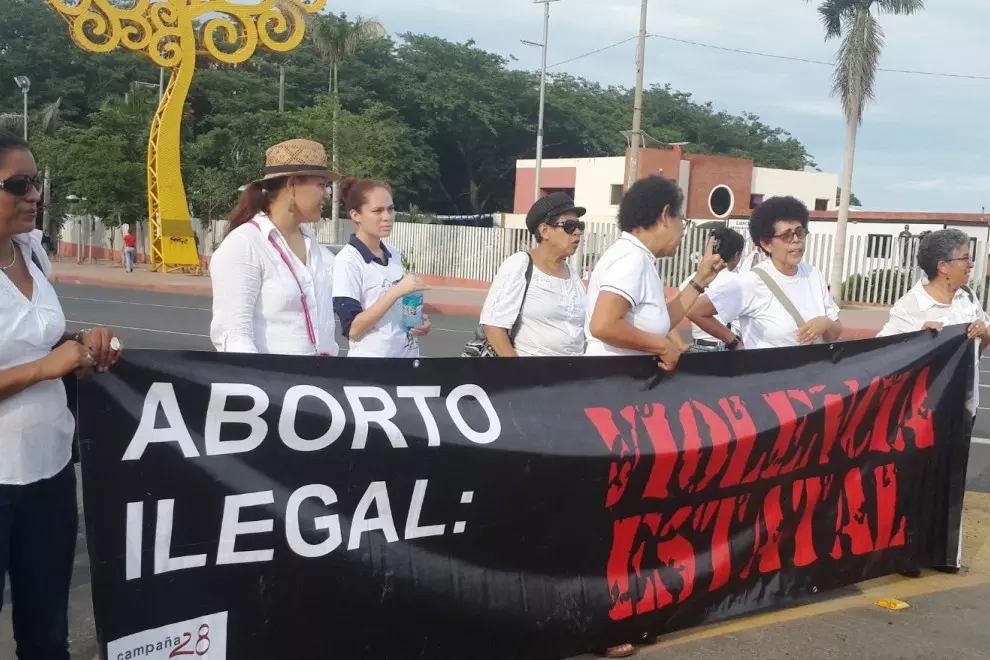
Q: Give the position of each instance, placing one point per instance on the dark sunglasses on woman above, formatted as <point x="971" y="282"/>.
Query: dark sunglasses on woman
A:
<point x="20" y="185"/>
<point x="569" y="226"/>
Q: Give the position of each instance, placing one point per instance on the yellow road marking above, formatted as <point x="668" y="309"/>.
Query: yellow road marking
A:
<point x="976" y="560"/>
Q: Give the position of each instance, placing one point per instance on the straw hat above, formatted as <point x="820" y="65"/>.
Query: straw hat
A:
<point x="297" y="158"/>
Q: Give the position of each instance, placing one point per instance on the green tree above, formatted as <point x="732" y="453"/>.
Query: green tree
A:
<point x="855" y="23"/>
<point x="853" y="200"/>
<point x="338" y="40"/>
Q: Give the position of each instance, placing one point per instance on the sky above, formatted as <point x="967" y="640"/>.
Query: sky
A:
<point x="923" y="145"/>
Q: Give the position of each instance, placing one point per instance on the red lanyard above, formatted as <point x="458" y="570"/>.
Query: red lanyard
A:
<point x="310" y="330"/>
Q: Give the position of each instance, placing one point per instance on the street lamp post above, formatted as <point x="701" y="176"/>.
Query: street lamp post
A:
<point x="25" y="84"/>
<point x="543" y="91"/>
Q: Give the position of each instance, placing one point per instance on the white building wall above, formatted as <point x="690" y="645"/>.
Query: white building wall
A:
<point x="806" y="186"/>
<point x="593" y="185"/>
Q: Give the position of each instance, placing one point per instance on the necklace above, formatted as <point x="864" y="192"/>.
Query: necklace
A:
<point x="13" y="257"/>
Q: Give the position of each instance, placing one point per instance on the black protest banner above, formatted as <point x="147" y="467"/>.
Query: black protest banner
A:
<point x="261" y="507"/>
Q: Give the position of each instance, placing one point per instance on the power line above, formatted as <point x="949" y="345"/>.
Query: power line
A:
<point x="819" y="62"/>
<point x="594" y="52"/>
<point x="789" y="58"/>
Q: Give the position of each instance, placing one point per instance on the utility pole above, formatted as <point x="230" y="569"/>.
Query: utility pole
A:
<point x="538" y="185"/>
<point x="637" y="127"/>
<point x="281" y="88"/>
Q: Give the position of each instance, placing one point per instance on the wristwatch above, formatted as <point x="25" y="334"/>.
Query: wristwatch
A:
<point x="734" y="344"/>
<point x="697" y="287"/>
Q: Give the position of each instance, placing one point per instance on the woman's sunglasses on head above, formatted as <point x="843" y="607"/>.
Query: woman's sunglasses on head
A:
<point x="569" y="226"/>
<point x="21" y="185"/>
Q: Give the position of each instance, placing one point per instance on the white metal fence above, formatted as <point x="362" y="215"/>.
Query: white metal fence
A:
<point x="877" y="270"/>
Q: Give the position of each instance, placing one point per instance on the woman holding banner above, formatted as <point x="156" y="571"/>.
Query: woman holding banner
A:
<point x="943" y="298"/>
<point x="38" y="510"/>
<point x="783" y="300"/>
<point x="628" y="313"/>
<point x="272" y="290"/>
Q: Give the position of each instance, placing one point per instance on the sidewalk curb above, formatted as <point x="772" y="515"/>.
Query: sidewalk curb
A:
<point x="189" y="290"/>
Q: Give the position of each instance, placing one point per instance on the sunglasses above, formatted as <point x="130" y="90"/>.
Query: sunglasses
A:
<point x="569" y="226"/>
<point x="788" y="236"/>
<point x="20" y="185"/>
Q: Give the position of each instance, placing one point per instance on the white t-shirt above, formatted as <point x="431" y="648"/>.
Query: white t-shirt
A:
<point x="763" y="321"/>
<point x="721" y="279"/>
<point x="552" y="316"/>
<point x="360" y="276"/>
<point x="917" y="308"/>
<point x="627" y="269"/>
<point x="36" y="426"/>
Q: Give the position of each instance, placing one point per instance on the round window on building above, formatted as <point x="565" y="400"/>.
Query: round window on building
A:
<point x="721" y="201"/>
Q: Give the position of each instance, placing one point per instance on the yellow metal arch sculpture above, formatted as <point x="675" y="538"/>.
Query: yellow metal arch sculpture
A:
<point x="171" y="33"/>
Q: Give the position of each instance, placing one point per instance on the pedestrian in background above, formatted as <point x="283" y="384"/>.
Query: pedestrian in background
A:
<point x="729" y="245"/>
<point x="272" y="289"/>
<point x="781" y="301"/>
<point x="369" y="278"/>
<point x="536" y="305"/>
<point x="38" y="509"/>
<point x="130" y="250"/>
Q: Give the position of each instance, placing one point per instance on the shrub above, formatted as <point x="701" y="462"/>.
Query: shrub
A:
<point x="884" y="285"/>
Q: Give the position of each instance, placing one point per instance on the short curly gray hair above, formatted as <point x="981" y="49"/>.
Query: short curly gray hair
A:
<point x="939" y="246"/>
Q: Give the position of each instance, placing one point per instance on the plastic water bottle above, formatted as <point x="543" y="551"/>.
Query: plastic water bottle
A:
<point x="412" y="310"/>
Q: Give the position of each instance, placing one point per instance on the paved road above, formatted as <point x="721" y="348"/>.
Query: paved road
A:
<point x="835" y="627"/>
<point x="153" y="320"/>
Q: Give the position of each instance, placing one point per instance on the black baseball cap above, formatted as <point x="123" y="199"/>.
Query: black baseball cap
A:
<point x="553" y="205"/>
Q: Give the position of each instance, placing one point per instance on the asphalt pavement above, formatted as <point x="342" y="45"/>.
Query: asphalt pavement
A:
<point x="948" y="614"/>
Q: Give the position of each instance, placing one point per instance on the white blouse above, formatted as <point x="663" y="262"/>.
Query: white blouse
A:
<point x="917" y="308"/>
<point x="257" y="301"/>
<point x="552" y="315"/>
<point x="36" y="426"/>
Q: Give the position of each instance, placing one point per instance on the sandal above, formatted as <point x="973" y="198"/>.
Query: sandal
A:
<point x="620" y="651"/>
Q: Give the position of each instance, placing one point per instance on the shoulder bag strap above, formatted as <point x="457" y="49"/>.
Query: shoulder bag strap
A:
<point x="780" y="296"/>
<point x="518" y="324"/>
<point x="310" y="329"/>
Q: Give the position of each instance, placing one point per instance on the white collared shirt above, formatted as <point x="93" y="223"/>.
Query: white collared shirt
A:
<point x="360" y="280"/>
<point x="36" y="427"/>
<point x="916" y="308"/>
<point x="628" y="269"/>
<point x="257" y="303"/>
<point x="720" y="280"/>
<point x="553" y="311"/>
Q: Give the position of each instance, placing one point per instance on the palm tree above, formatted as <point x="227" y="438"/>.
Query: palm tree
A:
<point x="337" y="40"/>
<point x="855" y="74"/>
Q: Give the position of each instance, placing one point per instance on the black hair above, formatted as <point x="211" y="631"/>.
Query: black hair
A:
<point x="730" y="243"/>
<point x="937" y="247"/>
<point x="644" y="202"/>
<point x="11" y="142"/>
<point x="772" y="211"/>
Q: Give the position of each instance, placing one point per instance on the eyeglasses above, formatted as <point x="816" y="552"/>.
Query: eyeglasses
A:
<point x="20" y="185"/>
<point x="968" y="259"/>
<point x="799" y="233"/>
<point x="569" y="226"/>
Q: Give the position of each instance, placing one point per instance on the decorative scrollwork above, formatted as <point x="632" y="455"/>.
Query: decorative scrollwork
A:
<point x="158" y="28"/>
